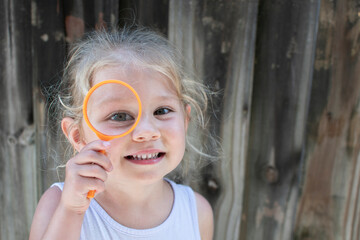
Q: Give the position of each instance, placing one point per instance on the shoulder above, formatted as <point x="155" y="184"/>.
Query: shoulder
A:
<point x="44" y="211"/>
<point x="49" y="200"/>
<point x="205" y="216"/>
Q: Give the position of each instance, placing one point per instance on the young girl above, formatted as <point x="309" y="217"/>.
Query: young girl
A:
<point x="133" y="200"/>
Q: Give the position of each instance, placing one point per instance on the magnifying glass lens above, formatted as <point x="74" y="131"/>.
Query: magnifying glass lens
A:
<point x="112" y="109"/>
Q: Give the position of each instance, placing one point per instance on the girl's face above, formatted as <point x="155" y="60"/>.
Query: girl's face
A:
<point x="157" y="144"/>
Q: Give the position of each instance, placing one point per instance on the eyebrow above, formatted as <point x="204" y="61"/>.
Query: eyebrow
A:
<point x="118" y="98"/>
<point x="110" y="99"/>
<point x="167" y="98"/>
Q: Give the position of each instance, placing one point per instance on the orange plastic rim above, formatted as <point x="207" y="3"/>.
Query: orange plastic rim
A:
<point x="98" y="133"/>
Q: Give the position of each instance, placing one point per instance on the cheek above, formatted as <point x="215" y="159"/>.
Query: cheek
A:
<point x="178" y="144"/>
<point x="87" y="134"/>
<point x="117" y="149"/>
<point x="176" y="133"/>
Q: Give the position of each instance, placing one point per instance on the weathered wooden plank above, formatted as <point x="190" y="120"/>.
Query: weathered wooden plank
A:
<point x="82" y="16"/>
<point x="235" y="124"/>
<point x="17" y="154"/>
<point x="329" y="205"/>
<point x="48" y="52"/>
<point x="254" y="193"/>
<point x="220" y="49"/>
<point x="152" y="13"/>
<point x="286" y="38"/>
<point x="184" y="32"/>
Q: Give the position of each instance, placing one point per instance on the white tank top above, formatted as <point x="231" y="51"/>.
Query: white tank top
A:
<point x="182" y="223"/>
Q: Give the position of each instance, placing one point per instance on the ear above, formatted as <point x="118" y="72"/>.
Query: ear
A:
<point x="187" y="116"/>
<point x="72" y="133"/>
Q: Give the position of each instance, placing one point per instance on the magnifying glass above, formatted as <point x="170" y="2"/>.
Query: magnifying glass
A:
<point x="111" y="109"/>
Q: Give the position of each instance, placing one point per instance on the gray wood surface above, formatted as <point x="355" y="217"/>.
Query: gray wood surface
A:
<point x="287" y="114"/>
<point x="17" y="143"/>
<point x="286" y="42"/>
<point x="329" y="204"/>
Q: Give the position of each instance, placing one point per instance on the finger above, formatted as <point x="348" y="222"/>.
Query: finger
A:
<point x="92" y="157"/>
<point x="87" y="184"/>
<point x="97" y="145"/>
<point x="92" y="171"/>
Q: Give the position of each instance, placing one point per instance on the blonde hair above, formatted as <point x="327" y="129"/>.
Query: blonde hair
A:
<point x="141" y="48"/>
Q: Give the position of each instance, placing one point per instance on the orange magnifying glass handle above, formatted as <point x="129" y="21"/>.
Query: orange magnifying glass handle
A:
<point x="102" y="136"/>
<point x="91" y="194"/>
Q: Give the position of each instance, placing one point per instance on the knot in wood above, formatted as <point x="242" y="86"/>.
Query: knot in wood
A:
<point x="212" y="185"/>
<point x="24" y="136"/>
<point x="329" y="116"/>
<point x="12" y="140"/>
<point x="245" y="109"/>
<point x="271" y="174"/>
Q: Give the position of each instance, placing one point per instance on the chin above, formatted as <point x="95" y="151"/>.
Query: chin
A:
<point x="149" y="178"/>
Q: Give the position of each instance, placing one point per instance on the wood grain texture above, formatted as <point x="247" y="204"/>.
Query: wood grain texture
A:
<point x="48" y="52"/>
<point x="17" y="145"/>
<point x="329" y="205"/>
<point x="235" y="124"/>
<point x="288" y="112"/>
<point x="285" y="50"/>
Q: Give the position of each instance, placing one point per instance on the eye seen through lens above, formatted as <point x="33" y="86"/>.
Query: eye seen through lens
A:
<point x="112" y="108"/>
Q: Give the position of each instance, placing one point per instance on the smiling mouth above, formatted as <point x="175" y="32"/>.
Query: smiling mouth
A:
<point x="149" y="156"/>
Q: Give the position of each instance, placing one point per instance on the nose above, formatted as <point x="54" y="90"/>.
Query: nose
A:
<point x="146" y="130"/>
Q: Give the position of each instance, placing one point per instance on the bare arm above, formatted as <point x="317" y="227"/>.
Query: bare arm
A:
<point x="53" y="221"/>
<point x="60" y="214"/>
<point x="206" y="218"/>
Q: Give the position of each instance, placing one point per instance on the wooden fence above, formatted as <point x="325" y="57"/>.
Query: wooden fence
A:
<point x="288" y="117"/>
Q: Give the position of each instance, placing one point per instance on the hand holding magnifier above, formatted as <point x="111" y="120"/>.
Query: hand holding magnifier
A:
<point x="111" y="109"/>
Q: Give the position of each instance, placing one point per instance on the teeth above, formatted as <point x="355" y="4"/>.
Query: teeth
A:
<point x="145" y="156"/>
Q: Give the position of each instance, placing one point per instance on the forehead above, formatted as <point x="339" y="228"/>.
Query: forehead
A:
<point x="138" y="78"/>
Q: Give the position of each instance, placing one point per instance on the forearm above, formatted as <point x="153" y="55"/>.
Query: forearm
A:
<point x="65" y="224"/>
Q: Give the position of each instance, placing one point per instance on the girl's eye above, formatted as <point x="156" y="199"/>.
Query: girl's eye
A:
<point x="121" y="117"/>
<point x="162" y="111"/>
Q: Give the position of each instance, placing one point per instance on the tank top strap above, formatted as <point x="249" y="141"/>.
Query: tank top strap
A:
<point x="58" y="184"/>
